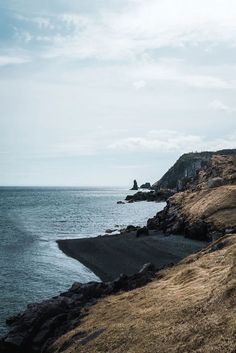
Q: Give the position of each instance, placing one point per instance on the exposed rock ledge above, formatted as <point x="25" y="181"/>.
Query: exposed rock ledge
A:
<point x="205" y="214"/>
<point x="207" y="208"/>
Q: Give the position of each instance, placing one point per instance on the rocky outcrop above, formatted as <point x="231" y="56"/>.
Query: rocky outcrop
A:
<point x="146" y="186"/>
<point x="41" y="324"/>
<point x="195" y="169"/>
<point x="206" y="209"/>
<point x="135" y="185"/>
<point x="203" y="214"/>
<point x="158" y="196"/>
<point x="143" y="231"/>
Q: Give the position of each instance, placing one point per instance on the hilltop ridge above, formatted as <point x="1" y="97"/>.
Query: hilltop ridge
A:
<point x="186" y="169"/>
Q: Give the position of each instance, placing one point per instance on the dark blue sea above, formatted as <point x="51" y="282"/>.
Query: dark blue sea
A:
<point x="32" y="268"/>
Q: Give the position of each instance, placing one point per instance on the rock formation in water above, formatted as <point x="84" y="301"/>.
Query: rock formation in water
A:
<point x="146" y="186"/>
<point x="153" y="195"/>
<point x="135" y="185"/>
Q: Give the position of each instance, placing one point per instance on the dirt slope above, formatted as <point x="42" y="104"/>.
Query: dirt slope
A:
<point x="188" y="308"/>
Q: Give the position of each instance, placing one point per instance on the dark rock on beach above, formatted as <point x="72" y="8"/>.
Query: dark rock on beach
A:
<point x="142" y="232"/>
<point x="130" y="228"/>
<point x="109" y="231"/>
<point x="41" y="324"/>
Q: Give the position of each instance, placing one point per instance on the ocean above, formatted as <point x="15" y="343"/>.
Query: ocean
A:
<point x="32" y="268"/>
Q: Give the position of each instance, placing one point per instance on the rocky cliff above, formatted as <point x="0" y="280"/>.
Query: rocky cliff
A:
<point x="185" y="172"/>
<point x="206" y="209"/>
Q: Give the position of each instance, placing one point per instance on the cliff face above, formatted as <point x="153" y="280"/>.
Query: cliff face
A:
<point x="185" y="173"/>
<point x="204" y="214"/>
<point x="206" y="209"/>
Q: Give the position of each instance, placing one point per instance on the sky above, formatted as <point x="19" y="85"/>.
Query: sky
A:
<point x="100" y="92"/>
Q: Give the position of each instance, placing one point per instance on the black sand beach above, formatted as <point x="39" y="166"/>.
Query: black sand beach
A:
<point x="109" y="256"/>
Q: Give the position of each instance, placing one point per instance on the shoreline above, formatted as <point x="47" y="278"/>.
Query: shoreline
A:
<point x="109" y="256"/>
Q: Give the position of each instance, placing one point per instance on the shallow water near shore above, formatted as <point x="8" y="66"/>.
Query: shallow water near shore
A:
<point x="32" y="268"/>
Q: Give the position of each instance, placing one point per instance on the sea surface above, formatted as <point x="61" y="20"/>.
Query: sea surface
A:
<point x="32" y="268"/>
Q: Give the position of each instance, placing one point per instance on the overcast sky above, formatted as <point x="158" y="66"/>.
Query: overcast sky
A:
<point x="100" y="92"/>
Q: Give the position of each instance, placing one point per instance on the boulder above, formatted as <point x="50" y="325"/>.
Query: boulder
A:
<point x="142" y="232"/>
<point x="215" y="182"/>
<point x="197" y="230"/>
<point x="131" y="228"/>
<point x="146" y="186"/>
<point x="109" y="231"/>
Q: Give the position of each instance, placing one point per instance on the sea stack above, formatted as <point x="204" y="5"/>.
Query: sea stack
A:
<point x="146" y="186"/>
<point x="135" y="185"/>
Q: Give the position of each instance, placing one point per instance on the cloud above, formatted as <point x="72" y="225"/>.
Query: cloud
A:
<point x="137" y="28"/>
<point x="146" y="25"/>
<point x="139" y="84"/>
<point x="179" y="72"/>
<point x="41" y="22"/>
<point x="220" y="106"/>
<point x="13" y="60"/>
<point x="171" y="141"/>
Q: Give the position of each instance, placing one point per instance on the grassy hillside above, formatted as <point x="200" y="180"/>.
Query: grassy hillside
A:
<point x="188" y="308"/>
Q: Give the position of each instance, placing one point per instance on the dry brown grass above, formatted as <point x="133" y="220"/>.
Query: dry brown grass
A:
<point x="188" y="308"/>
<point x="217" y="206"/>
<point x="223" y="166"/>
